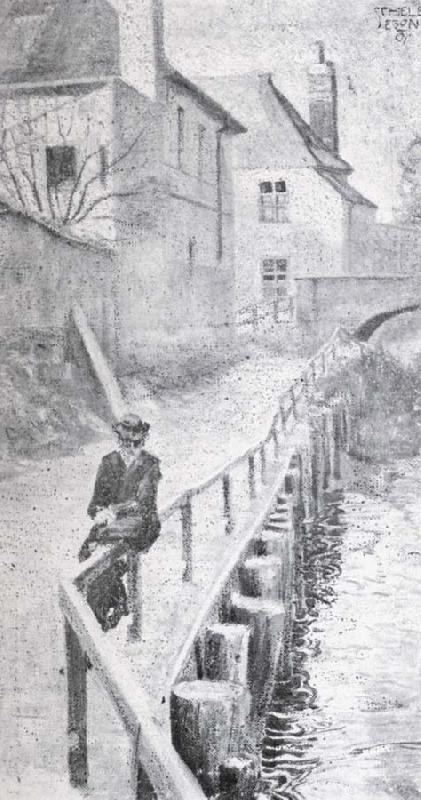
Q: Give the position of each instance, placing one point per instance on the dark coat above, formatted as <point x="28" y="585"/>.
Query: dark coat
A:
<point x="131" y="492"/>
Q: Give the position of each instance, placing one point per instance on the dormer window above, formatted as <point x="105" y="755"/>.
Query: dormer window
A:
<point x="273" y="201"/>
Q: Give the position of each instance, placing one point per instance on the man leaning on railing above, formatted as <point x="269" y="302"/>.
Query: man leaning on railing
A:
<point x="124" y="509"/>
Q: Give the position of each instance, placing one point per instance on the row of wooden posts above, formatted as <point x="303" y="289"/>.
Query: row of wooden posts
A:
<point x="255" y="460"/>
<point x="284" y="419"/>
<point x="243" y="641"/>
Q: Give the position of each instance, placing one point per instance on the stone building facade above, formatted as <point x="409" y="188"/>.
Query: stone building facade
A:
<point x="107" y="142"/>
<point x="294" y="206"/>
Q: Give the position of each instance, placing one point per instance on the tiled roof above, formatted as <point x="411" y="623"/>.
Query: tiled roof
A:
<point x="206" y="100"/>
<point x="69" y="40"/>
<point x="341" y="185"/>
<point x="239" y="94"/>
<point x="242" y="95"/>
<point x="46" y="39"/>
<point x="317" y="147"/>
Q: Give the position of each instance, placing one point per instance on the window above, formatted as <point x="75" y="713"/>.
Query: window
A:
<point x="281" y="201"/>
<point x="274" y="273"/>
<point x="201" y="151"/>
<point x="192" y="254"/>
<point x="266" y="202"/>
<point x="103" y="164"/>
<point x="180" y="136"/>
<point x="273" y="201"/>
<point x="61" y="165"/>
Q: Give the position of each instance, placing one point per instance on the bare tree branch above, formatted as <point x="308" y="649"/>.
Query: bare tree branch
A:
<point x="14" y="181"/>
<point x="33" y="187"/>
<point x="22" y="172"/>
<point x="97" y="176"/>
<point x="103" y="199"/>
<point x="68" y="216"/>
<point x="124" y="155"/>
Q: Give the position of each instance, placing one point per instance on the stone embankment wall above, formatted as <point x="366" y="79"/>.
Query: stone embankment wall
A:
<point x="42" y="274"/>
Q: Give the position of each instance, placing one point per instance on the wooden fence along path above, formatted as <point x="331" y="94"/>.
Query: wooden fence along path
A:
<point x="178" y="588"/>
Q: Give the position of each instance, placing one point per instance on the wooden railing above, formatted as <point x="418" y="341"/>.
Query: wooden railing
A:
<point x="126" y="694"/>
<point x="280" y="309"/>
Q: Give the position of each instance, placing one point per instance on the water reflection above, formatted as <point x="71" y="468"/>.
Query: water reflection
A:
<point x="288" y="755"/>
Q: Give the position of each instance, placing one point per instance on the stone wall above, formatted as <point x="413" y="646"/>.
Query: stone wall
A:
<point x="323" y="303"/>
<point x="42" y="274"/>
<point x="384" y="249"/>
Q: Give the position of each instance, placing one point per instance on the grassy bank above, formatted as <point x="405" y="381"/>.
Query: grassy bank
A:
<point x="385" y="403"/>
<point x="41" y="411"/>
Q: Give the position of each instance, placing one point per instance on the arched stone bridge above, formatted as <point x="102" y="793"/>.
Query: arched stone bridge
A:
<point x="360" y="303"/>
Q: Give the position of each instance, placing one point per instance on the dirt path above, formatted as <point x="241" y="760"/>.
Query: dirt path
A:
<point x="43" y="522"/>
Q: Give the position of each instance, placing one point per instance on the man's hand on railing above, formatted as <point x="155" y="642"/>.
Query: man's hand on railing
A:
<point x="92" y="541"/>
<point x="105" y="516"/>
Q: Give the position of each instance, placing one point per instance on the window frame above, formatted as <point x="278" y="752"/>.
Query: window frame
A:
<point x="273" y="202"/>
<point x="274" y="284"/>
<point x="192" y="254"/>
<point x="281" y="201"/>
<point x="53" y="165"/>
<point x="266" y="202"/>
<point x="202" y="137"/>
<point x="181" y="122"/>
<point x="104" y="164"/>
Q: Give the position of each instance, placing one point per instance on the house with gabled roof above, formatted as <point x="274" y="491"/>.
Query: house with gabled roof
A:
<point x="104" y="139"/>
<point x="294" y="205"/>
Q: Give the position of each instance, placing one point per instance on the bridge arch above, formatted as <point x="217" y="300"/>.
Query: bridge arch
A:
<point x="359" y="303"/>
<point x="365" y="331"/>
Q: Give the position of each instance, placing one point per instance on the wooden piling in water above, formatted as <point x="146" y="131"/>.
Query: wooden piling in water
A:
<point x="209" y="721"/>
<point x="238" y="779"/>
<point x="266" y="620"/>
<point x="226" y="653"/>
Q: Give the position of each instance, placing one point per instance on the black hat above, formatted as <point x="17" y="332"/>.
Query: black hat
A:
<point x="131" y="428"/>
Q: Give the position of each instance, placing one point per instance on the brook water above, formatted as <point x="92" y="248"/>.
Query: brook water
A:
<point x="348" y="722"/>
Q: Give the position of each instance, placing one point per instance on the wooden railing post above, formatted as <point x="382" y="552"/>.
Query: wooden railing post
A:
<point x="263" y="469"/>
<point x="255" y="318"/>
<point x="282" y="415"/>
<point x="187" y="539"/>
<point x="306" y="388"/>
<point x="275" y="440"/>
<point x="313" y="372"/>
<point x="77" y="709"/>
<point x="226" y="495"/>
<point x="293" y="402"/>
<point x="142" y="788"/>
<point x="134" y="589"/>
<point x="251" y="477"/>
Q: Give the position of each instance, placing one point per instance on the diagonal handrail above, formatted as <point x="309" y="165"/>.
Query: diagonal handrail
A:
<point x="167" y="773"/>
<point x="316" y="366"/>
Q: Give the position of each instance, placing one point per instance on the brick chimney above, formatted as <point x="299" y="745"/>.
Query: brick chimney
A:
<point x="324" y="99"/>
<point x="142" y="53"/>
